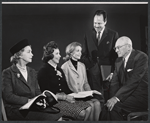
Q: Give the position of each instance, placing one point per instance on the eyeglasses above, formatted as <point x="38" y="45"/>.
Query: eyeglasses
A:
<point x="118" y="47"/>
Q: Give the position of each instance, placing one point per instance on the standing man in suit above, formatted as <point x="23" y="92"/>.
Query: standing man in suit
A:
<point x="129" y="85"/>
<point x="98" y="50"/>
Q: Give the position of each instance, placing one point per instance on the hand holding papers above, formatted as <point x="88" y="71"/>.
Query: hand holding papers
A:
<point x="84" y="94"/>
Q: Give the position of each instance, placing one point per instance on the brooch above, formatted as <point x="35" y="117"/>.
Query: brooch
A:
<point x="58" y="73"/>
<point x="18" y="75"/>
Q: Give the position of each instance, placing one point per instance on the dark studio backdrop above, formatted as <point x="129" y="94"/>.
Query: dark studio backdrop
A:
<point x="66" y="23"/>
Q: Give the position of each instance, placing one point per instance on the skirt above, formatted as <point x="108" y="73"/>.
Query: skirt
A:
<point x="71" y="109"/>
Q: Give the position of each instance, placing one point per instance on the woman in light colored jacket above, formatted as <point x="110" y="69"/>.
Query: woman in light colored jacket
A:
<point x="52" y="78"/>
<point x="76" y="77"/>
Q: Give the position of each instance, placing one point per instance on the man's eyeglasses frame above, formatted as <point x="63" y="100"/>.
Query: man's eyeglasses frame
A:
<point x="118" y="47"/>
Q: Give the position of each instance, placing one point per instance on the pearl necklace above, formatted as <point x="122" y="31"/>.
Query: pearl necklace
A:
<point x="21" y="68"/>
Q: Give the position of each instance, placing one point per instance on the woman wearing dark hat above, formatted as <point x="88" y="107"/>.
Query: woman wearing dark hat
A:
<point x="20" y="85"/>
<point x="51" y="77"/>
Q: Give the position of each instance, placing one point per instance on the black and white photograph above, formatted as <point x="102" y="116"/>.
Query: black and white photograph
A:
<point x="74" y="61"/>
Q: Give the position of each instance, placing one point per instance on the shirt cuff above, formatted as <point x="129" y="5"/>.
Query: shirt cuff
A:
<point x="117" y="99"/>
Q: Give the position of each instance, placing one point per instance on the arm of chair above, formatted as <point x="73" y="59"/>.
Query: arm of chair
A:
<point x="134" y="115"/>
<point x="3" y="111"/>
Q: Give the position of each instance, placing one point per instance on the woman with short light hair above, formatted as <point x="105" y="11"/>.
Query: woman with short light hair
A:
<point x="76" y="77"/>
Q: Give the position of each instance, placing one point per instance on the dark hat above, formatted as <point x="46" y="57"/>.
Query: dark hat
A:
<point x="18" y="46"/>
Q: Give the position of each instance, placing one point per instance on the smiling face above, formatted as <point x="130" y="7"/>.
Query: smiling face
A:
<point x="56" y="57"/>
<point x="121" y="49"/>
<point x="99" y="22"/>
<point x="76" y="54"/>
<point x="123" y="46"/>
<point x="26" y="55"/>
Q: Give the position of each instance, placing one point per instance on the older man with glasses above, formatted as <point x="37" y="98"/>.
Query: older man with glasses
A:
<point x="129" y="85"/>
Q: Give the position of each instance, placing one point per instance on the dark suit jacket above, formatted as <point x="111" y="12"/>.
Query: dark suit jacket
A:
<point x="104" y="51"/>
<point x="134" y="82"/>
<point x="15" y="90"/>
<point x="48" y="80"/>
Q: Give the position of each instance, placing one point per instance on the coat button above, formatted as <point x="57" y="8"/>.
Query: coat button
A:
<point x="60" y="89"/>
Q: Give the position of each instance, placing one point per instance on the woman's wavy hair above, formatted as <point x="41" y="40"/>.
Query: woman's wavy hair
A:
<point x="48" y="50"/>
<point x="70" y="49"/>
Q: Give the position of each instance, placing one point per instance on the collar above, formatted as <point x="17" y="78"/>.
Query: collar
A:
<point x="102" y="30"/>
<point x="16" y="70"/>
<point x="127" y="57"/>
<point x="54" y="66"/>
<point x="21" y="68"/>
<point x="73" y="61"/>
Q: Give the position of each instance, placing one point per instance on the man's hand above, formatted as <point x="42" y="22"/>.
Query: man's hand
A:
<point x="111" y="102"/>
<point x="109" y="77"/>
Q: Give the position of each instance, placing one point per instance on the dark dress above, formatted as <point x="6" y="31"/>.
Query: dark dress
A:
<point x="16" y="91"/>
<point x="48" y="80"/>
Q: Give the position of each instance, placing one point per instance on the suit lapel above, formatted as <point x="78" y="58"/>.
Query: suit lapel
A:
<point x="121" y="71"/>
<point x="18" y="74"/>
<point x="130" y="60"/>
<point x="72" y="67"/>
<point x="118" y="64"/>
<point x="94" y="38"/>
<point x="103" y="35"/>
<point x="30" y="77"/>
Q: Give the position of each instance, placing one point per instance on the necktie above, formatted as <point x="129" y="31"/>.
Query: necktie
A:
<point x="123" y="73"/>
<point x="123" y="63"/>
<point x="98" y="38"/>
